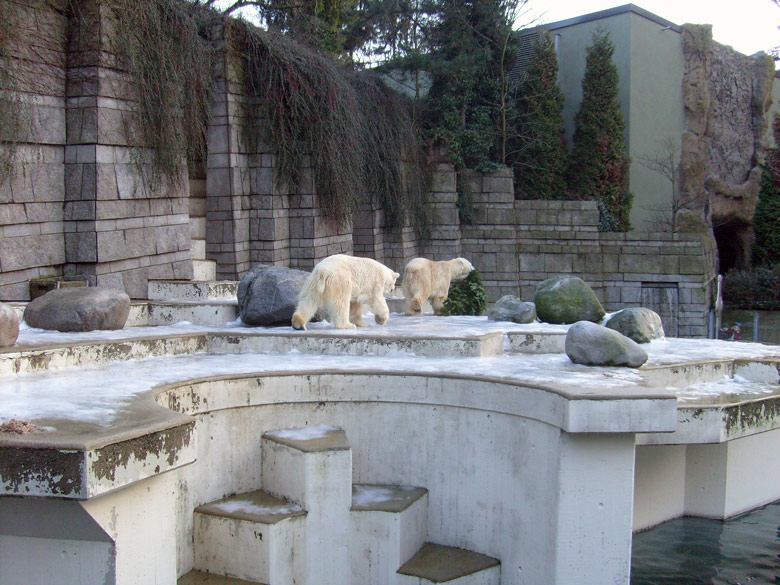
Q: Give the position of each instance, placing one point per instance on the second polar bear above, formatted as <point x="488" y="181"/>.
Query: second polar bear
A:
<point x="427" y="279"/>
<point x="340" y="285"/>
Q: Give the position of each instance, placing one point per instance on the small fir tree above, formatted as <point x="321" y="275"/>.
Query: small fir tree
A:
<point x="466" y="297"/>
<point x="766" y="220"/>
<point x="538" y="153"/>
<point x="598" y="166"/>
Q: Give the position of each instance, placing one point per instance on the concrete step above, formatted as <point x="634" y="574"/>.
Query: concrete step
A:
<point x="204" y="270"/>
<point x="312" y="466"/>
<point x="203" y="578"/>
<point x="252" y="536"/>
<point x="198" y="248"/>
<point x="206" y="314"/>
<point x="188" y="290"/>
<point x="388" y="524"/>
<point x="435" y="563"/>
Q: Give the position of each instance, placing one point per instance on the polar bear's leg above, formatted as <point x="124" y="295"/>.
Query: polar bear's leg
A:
<point x="338" y="309"/>
<point x="379" y="306"/>
<point x="356" y="313"/>
<point x="437" y="303"/>
<point x="304" y="311"/>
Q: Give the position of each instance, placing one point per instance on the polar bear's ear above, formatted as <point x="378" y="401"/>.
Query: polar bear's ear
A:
<point x="396" y="275"/>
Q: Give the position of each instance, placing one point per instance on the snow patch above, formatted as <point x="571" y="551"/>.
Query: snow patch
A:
<point x="249" y="507"/>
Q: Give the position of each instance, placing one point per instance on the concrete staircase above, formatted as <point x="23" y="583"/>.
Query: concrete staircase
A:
<point x="310" y="525"/>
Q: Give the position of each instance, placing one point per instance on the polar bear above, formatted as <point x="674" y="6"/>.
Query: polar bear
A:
<point x="340" y="285"/>
<point x="426" y="279"/>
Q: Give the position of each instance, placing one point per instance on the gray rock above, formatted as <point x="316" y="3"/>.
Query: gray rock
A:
<point x="79" y="309"/>
<point x="567" y="299"/>
<point x="268" y="295"/>
<point x="640" y="324"/>
<point x="594" y="345"/>
<point x="512" y="308"/>
<point x="9" y="325"/>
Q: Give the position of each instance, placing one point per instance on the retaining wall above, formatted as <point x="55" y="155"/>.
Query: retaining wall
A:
<point x="79" y="201"/>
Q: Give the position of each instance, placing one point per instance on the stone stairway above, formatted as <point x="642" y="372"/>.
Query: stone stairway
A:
<point x="310" y="525"/>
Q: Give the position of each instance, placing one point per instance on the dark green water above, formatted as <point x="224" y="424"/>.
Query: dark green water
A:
<point x="695" y="551"/>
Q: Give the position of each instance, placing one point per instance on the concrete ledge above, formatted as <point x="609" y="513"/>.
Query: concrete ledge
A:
<point x="438" y="564"/>
<point x="42" y="466"/>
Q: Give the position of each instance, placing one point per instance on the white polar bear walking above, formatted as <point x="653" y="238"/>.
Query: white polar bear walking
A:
<point x="340" y="285"/>
<point x="427" y="279"/>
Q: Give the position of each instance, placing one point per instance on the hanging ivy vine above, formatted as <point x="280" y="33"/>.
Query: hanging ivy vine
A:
<point x="364" y="145"/>
<point x="169" y="59"/>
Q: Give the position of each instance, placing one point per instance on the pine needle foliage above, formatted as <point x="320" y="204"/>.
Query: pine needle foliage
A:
<point x="164" y="46"/>
<point x="598" y="166"/>
<point x="364" y="145"/>
<point x="754" y="289"/>
<point x="766" y="219"/>
<point x="538" y="152"/>
<point x="466" y="297"/>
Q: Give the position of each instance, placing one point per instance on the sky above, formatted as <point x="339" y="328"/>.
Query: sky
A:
<point x="748" y="25"/>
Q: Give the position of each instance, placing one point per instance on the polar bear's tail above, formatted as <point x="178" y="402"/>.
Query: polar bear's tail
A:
<point x="308" y="300"/>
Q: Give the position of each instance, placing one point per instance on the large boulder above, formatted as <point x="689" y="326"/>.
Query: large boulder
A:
<point x="640" y="324"/>
<point x="9" y="325"/>
<point x="78" y="309"/>
<point x="594" y="345"/>
<point x="567" y="299"/>
<point x="512" y="308"/>
<point x="268" y="295"/>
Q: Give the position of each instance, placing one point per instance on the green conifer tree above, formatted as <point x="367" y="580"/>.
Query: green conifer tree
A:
<point x="598" y="166"/>
<point x="766" y="220"/>
<point x="538" y="155"/>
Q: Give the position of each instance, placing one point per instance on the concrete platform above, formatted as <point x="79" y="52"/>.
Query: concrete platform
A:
<point x="503" y="432"/>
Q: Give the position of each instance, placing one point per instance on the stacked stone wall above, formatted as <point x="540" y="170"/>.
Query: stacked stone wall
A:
<point x="82" y="203"/>
<point x="252" y="218"/>
<point x="557" y="238"/>
<point x="80" y="200"/>
<point x="490" y="241"/>
<point x="123" y="226"/>
<point x="32" y="195"/>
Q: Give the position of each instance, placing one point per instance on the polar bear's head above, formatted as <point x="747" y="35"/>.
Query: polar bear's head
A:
<point x="390" y="278"/>
<point x="460" y="268"/>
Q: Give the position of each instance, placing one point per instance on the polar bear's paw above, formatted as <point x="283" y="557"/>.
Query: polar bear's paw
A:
<point x="298" y="322"/>
<point x="415" y="306"/>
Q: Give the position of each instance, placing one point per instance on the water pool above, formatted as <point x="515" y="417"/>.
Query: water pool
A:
<point x="696" y="551"/>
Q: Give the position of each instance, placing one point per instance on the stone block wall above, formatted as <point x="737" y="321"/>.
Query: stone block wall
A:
<point x="32" y="195"/>
<point x="229" y="176"/>
<point x="80" y="200"/>
<point x="672" y="274"/>
<point x="251" y="218"/>
<point x="490" y="243"/>
<point x="122" y="226"/>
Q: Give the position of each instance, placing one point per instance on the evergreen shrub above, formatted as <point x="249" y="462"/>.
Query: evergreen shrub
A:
<point x="598" y="166"/>
<point x="756" y="289"/>
<point x="466" y="297"/>
<point x="766" y="249"/>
